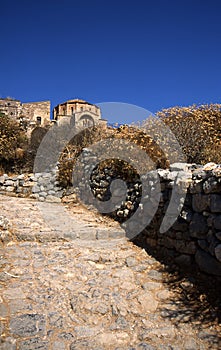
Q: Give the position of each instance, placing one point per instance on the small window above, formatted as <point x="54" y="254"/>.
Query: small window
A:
<point x="72" y="110"/>
<point x="38" y="120"/>
<point x="82" y="108"/>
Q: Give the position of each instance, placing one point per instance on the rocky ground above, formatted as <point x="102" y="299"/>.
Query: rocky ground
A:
<point x="75" y="282"/>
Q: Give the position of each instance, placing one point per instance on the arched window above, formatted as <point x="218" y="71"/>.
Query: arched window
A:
<point x="87" y="120"/>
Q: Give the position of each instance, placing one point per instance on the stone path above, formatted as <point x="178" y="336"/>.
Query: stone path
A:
<point x="59" y="292"/>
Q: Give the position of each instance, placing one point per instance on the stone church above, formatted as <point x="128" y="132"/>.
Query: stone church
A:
<point x="78" y="113"/>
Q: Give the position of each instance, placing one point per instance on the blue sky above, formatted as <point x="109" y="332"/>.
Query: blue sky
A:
<point x="154" y="54"/>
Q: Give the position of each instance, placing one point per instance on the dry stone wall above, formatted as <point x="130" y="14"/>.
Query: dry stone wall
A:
<point x="19" y="185"/>
<point x="40" y="186"/>
<point x="196" y="234"/>
<point x="195" y="237"/>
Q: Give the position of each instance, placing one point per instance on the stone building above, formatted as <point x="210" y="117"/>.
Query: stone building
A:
<point x="78" y="113"/>
<point x="38" y="113"/>
<point x="11" y="107"/>
<point x="29" y="114"/>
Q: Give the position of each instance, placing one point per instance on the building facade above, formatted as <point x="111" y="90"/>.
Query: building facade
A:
<point x="29" y="114"/>
<point x="78" y="113"/>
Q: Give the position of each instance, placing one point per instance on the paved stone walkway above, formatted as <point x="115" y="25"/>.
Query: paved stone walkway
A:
<point x="60" y="292"/>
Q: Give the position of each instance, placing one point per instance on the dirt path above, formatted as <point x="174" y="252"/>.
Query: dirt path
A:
<point x="62" y="292"/>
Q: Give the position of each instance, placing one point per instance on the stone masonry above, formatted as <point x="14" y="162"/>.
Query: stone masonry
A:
<point x="195" y="237"/>
<point x="29" y="114"/>
<point x="78" y="113"/>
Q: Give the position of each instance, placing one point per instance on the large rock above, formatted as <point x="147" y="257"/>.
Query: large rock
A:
<point x="28" y="325"/>
<point x="207" y="263"/>
<point x="9" y="183"/>
<point x="185" y="247"/>
<point x="200" y="202"/>
<point x="215" y="204"/>
<point x="217" y="222"/>
<point x="212" y="185"/>
<point x="34" y="343"/>
<point x="198" y="226"/>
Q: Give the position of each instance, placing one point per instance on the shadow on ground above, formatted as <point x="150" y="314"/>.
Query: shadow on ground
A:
<point x="196" y="297"/>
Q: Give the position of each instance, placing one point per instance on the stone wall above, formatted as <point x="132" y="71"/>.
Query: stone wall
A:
<point x="39" y="186"/>
<point x="195" y="237"/>
<point x="196" y="234"/>
<point x="17" y="185"/>
<point x="37" y="112"/>
<point x="47" y="187"/>
<point x="11" y="107"/>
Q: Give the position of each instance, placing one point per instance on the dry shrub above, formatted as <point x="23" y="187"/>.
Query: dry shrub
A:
<point x="145" y="142"/>
<point x="74" y="148"/>
<point x="13" y="144"/>
<point x="197" y="129"/>
<point x="212" y="154"/>
<point x="92" y="135"/>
